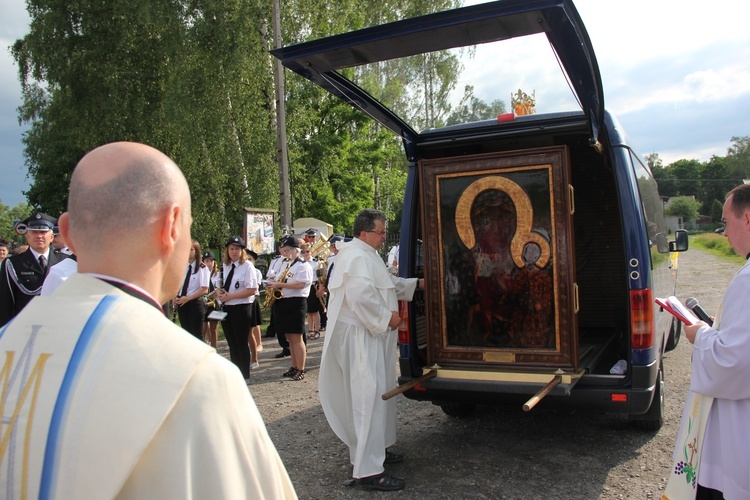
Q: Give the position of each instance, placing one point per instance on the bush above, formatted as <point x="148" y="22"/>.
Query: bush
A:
<point x="716" y="243"/>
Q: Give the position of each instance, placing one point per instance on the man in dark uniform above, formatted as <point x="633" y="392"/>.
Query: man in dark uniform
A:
<point x="22" y="276"/>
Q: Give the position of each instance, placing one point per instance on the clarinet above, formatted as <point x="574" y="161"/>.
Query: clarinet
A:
<point x="221" y="286"/>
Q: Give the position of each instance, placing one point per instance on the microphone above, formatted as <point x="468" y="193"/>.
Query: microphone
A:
<point x="692" y="303"/>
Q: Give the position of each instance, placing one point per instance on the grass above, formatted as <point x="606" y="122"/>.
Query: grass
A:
<point x="716" y="244"/>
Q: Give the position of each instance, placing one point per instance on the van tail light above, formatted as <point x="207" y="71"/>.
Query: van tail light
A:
<point x="641" y="319"/>
<point x="404" y="335"/>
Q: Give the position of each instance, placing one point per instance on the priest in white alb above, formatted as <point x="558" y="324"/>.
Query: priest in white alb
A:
<point x="712" y="452"/>
<point x="359" y="353"/>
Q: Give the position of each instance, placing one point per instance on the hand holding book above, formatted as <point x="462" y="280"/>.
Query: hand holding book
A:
<point x="677" y="309"/>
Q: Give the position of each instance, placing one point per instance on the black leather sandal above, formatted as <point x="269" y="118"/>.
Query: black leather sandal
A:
<point x="291" y="372"/>
<point x="382" y="482"/>
<point x="299" y="375"/>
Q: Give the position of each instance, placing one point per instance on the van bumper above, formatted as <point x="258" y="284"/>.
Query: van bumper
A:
<point x="610" y="393"/>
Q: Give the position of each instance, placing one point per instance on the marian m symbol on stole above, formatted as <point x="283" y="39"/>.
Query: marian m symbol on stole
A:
<point x="21" y="379"/>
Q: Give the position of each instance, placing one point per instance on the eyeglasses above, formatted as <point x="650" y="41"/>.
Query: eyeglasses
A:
<point x="305" y="251"/>
<point x="379" y="233"/>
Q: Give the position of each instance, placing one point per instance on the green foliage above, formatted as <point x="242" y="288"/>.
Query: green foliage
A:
<point x="8" y="215"/>
<point x="472" y="109"/>
<point x="739" y="157"/>
<point x="716" y="244"/>
<point x="707" y="181"/>
<point x="716" y="182"/>
<point x="194" y="79"/>
<point x="717" y="208"/>
<point x="685" y="207"/>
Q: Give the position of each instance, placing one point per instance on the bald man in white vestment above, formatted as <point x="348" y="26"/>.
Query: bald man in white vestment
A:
<point x="359" y="353"/>
<point x="104" y="397"/>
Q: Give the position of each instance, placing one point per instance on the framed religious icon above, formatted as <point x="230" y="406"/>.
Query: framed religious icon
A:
<point x="503" y="269"/>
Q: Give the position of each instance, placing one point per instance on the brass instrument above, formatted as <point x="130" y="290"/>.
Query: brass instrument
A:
<point x="210" y="300"/>
<point x="217" y="314"/>
<point x="217" y="302"/>
<point x="321" y="251"/>
<point x="276" y="293"/>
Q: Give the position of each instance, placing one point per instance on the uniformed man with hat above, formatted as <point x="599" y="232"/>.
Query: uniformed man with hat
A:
<point x="22" y="276"/>
<point x="311" y="235"/>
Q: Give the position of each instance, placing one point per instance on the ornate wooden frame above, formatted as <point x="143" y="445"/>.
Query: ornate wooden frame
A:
<point x="504" y="295"/>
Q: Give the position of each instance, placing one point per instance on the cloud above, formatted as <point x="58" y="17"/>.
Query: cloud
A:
<point x="14" y="21"/>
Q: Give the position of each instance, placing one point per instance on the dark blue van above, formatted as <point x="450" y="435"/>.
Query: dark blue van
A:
<point x="539" y="232"/>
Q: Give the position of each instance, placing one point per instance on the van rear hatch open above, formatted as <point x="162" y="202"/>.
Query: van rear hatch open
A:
<point x="322" y="61"/>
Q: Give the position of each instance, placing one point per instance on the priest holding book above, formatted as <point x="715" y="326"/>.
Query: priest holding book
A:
<point x="713" y="445"/>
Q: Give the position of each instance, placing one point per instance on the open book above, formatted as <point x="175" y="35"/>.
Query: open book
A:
<point x="677" y="309"/>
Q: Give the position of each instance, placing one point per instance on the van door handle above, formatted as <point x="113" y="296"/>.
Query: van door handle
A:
<point x="572" y="199"/>
<point x="576" y="303"/>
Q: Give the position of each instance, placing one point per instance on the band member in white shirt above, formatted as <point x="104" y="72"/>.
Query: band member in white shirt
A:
<point x="257" y="317"/>
<point x="240" y="283"/>
<point x="290" y="310"/>
<point x="191" y="306"/>
<point x="314" y="304"/>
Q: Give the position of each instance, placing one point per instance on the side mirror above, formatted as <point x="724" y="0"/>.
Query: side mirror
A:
<point x="680" y="243"/>
<point x="662" y="245"/>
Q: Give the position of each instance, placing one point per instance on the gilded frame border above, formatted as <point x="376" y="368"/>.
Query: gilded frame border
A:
<point x="479" y="174"/>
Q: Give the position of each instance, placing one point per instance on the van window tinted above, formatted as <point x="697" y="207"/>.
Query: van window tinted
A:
<point x="653" y="209"/>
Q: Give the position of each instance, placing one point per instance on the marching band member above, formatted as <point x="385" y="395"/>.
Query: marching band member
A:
<point x="314" y="306"/>
<point x="289" y="311"/>
<point x="277" y="265"/>
<point x="257" y="317"/>
<point x="191" y="306"/>
<point x="240" y="283"/>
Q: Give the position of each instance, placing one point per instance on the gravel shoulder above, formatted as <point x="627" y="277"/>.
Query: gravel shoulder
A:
<point x="500" y="452"/>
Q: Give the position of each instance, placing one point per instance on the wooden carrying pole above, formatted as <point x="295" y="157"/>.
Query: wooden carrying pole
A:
<point x="542" y="392"/>
<point x="412" y="383"/>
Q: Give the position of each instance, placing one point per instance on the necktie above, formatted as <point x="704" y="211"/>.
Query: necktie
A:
<point x="187" y="281"/>
<point x="43" y="262"/>
<point x="228" y="281"/>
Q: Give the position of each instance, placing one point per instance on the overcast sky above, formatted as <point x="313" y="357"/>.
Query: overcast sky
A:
<point x="675" y="72"/>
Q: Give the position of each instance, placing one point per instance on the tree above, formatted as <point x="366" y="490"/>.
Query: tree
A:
<point x="340" y="159"/>
<point x="717" y="209"/>
<point x="687" y="176"/>
<point x="685" y="207"/>
<point x="664" y="178"/>
<point x="190" y="78"/>
<point x="7" y="215"/>
<point x="472" y="109"/>
<point x="716" y="182"/>
<point x="738" y="157"/>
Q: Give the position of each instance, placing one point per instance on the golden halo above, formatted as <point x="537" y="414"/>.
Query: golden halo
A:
<point x="524" y="218"/>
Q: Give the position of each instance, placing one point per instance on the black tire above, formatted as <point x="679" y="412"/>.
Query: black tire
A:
<point x="653" y="419"/>
<point x="674" y="334"/>
<point x="458" y="410"/>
